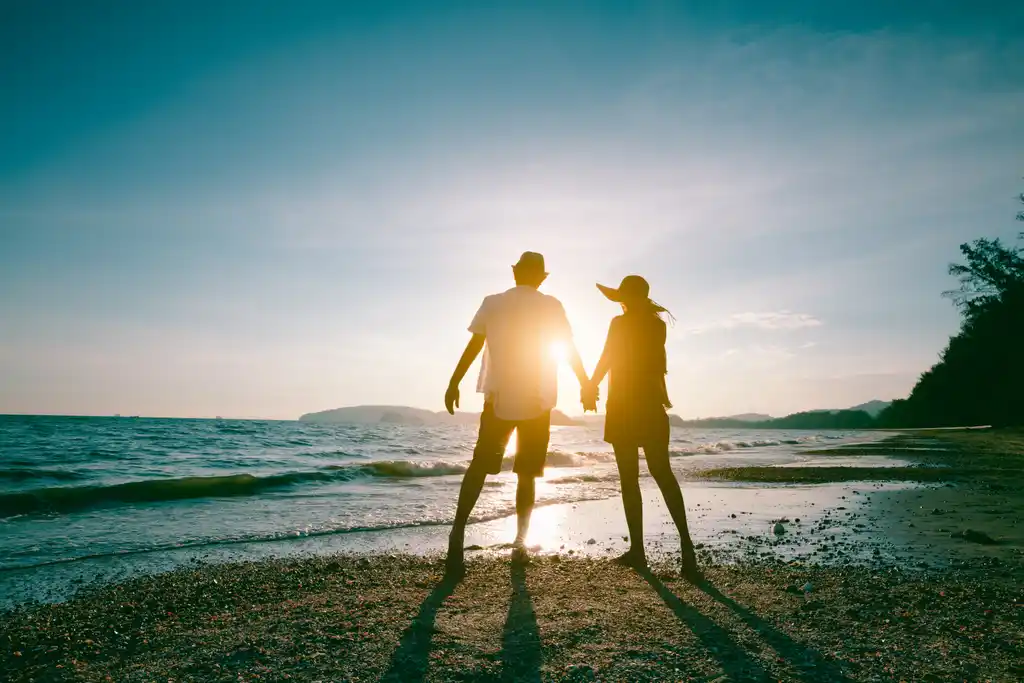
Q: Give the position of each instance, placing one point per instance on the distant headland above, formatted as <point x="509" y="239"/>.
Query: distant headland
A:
<point x="858" y="417"/>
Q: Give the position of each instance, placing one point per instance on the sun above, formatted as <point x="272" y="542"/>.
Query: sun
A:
<point x="559" y="350"/>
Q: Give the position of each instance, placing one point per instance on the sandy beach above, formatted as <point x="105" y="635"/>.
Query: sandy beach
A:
<point x="898" y="576"/>
<point x="394" y="618"/>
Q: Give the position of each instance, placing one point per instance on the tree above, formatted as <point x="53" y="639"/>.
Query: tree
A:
<point x="990" y="270"/>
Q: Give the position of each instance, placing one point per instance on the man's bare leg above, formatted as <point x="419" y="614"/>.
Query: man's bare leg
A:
<point x="472" y="485"/>
<point x="526" y="496"/>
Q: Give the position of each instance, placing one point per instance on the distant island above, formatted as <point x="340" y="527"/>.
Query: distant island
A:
<point x="862" y="416"/>
<point x="408" y="416"/>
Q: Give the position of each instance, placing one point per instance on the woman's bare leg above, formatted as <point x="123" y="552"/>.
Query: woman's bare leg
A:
<point x="628" y="460"/>
<point x="661" y="470"/>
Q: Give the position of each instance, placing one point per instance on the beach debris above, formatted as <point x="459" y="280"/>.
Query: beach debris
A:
<point x="778" y="529"/>
<point x="974" y="536"/>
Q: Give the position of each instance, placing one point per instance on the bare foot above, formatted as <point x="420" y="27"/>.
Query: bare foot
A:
<point x="454" y="569"/>
<point x="689" y="568"/>
<point x="632" y="558"/>
<point x="519" y="552"/>
<point x="455" y="565"/>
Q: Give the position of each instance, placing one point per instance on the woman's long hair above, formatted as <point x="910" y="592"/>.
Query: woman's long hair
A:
<point x="651" y="307"/>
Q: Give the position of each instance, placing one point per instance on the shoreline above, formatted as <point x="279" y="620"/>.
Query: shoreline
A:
<point x="832" y="516"/>
<point x="729" y="522"/>
<point x="867" y="581"/>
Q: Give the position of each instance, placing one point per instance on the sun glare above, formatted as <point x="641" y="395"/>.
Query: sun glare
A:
<point x="559" y="351"/>
<point x="547" y="527"/>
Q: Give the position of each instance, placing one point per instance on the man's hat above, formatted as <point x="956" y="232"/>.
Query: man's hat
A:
<point x="530" y="262"/>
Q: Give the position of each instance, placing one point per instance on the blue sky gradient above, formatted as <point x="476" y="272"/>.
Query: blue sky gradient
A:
<point x="262" y="209"/>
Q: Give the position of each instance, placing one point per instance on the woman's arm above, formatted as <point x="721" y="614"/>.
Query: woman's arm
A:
<point x="663" y="366"/>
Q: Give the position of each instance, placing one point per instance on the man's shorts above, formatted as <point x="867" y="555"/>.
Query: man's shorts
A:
<point x="531" y="445"/>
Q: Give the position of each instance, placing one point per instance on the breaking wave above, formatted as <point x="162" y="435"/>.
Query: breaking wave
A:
<point x="63" y="499"/>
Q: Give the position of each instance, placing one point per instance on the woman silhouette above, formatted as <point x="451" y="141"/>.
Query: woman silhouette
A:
<point x="634" y="354"/>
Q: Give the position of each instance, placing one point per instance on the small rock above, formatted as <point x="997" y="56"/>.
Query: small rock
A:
<point x="579" y="672"/>
<point x="974" y="536"/>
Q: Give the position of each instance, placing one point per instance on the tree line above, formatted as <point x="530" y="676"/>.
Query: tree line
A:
<point x="979" y="378"/>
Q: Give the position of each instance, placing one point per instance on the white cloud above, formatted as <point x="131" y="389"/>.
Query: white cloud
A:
<point x="768" y="320"/>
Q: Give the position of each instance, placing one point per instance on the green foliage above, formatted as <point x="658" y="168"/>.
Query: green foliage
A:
<point x="989" y="271"/>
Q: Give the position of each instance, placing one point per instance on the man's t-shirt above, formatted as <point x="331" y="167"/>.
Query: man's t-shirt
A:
<point x="519" y="373"/>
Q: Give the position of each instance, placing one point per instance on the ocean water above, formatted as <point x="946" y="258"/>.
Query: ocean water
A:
<point x="75" y="488"/>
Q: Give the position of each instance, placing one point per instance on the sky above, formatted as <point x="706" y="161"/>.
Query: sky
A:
<point x="261" y="209"/>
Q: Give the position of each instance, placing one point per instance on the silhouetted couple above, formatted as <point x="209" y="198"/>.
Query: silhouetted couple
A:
<point x="518" y="330"/>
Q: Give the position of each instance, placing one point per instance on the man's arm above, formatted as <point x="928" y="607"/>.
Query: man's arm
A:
<point x="605" y="363"/>
<point x="577" y="365"/>
<point x="588" y="391"/>
<point x="563" y="332"/>
<point x="473" y="348"/>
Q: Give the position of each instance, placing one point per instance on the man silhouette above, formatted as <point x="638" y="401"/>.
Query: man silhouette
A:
<point x="522" y="329"/>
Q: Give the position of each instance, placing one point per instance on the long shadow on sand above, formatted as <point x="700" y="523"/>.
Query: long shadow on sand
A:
<point x="521" y="648"/>
<point x="813" y="666"/>
<point x="736" y="662"/>
<point x="410" y="659"/>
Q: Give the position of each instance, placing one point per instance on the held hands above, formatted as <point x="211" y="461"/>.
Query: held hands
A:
<point x="451" y="398"/>
<point x="589" y="394"/>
